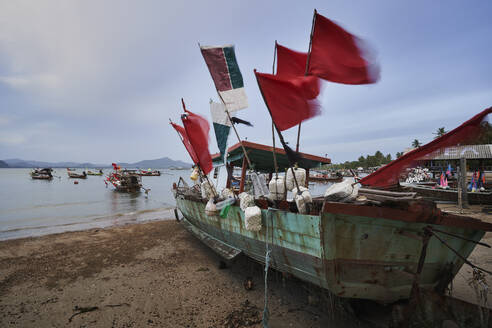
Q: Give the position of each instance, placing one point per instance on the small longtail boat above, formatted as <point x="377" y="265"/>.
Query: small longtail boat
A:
<point x="149" y="173"/>
<point x="125" y="180"/>
<point x="74" y="175"/>
<point x="41" y="174"/>
<point x="99" y="173"/>
<point x="325" y="178"/>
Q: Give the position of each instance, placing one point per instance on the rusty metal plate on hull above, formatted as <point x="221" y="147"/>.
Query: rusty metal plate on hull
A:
<point x="226" y="251"/>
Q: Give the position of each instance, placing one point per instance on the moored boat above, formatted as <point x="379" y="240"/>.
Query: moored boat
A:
<point x="124" y="180"/>
<point x="100" y="172"/>
<point x="449" y="195"/>
<point x="74" y="175"/>
<point x="325" y="177"/>
<point x="42" y="174"/>
<point x="149" y="173"/>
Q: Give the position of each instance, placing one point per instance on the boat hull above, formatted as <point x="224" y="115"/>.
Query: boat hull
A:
<point x="451" y="195"/>
<point x="354" y="256"/>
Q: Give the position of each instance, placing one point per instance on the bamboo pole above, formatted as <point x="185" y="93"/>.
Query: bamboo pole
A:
<point x="464" y="195"/>
<point x="233" y="127"/>
<point x="200" y="171"/>
<point x="306" y="73"/>
<point x="282" y="141"/>
<point x="273" y="131"/>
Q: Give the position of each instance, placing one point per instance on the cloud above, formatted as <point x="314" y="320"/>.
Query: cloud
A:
<point x="11" y="139"/>
<point x="111" y="73"/>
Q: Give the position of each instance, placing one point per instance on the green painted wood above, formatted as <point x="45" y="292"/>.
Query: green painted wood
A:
<point x="352" y="256"/>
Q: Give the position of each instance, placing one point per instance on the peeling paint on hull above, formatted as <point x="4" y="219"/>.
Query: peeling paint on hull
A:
<point x="354" y="256"/>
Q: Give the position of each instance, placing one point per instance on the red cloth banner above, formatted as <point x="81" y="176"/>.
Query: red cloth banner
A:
<point x="338" y="56"/>
<point x="197" y="129"/>
<point x="291" y="64"/>
<point x="389" y="175"/>
<point x="290" y="101"/>
<point x="186" y="142"/>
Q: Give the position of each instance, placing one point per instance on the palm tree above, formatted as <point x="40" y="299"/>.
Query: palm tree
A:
<point x="416" y="143"/>
<point x="440" y="132"/>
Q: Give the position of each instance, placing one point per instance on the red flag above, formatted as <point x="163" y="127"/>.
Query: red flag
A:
<point x="197" y="129"/>
<point x="292" y="65"/>
<point x="186" y="141"/>
<point x="288" y="100"/>
<point x="290" y="62"/>
<point x="389" y="175"/>
<point x="338" y="56"/>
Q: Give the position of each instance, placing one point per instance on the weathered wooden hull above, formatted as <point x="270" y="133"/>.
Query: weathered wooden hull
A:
<point x="41" y="177"/>
<point x="325" y="179"/>
<point x="355" y="252"/>
<point x="451" y="195"/>
<point x="76" y="176"/>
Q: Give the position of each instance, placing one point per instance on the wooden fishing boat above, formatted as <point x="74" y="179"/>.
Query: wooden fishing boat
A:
<point x="449" y="195"/>
<point x="154" y="173"/>
<point x="99" y="173"/>
<point x="74" y="175"/>
<point x="375" y="250"/>
<point x="41" y="174"/>
<point x="325" y="178"/>
<point x="125" y="181"/>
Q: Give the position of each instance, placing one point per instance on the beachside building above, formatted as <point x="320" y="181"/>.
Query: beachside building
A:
<point x="478" y="157"/>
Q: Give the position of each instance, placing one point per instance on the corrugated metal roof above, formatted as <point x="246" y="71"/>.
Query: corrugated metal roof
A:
<point x="466" y="151"/>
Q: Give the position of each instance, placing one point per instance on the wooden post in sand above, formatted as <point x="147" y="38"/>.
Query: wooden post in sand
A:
<point x="462" y="183"/>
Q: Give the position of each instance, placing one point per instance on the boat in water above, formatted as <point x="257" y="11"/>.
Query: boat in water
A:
<point x="149" y="173"/>
<point x="98" y="173"/>
<point x="124" y="180"/>
<point x="324" y="177"/>
<point x="74" y="175"/>
<point x="42" y="174"/>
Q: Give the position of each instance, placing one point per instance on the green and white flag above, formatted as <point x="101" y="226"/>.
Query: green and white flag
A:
<point x="222" y="64"/>
<point x="222" y="125"/>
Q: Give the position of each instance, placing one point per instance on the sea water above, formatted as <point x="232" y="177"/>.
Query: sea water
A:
<point x="37" y="207"/>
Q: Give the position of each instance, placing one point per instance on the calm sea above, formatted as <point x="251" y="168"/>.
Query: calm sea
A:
<point x="36" y="207"/>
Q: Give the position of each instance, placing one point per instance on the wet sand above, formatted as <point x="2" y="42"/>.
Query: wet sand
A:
<point x="142" y="275"/>
<point x="158" y="274"/>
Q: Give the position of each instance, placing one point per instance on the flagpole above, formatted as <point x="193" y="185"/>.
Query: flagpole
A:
<point x="200" y="170"/>
<point x="234" y="128"/>
<point x="307" y="69"/>
<point x="282" y="141"/>
<point x="273" y="132"/>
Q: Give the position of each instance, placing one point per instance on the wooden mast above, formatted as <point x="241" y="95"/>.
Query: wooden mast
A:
<point x="306" y="73"/>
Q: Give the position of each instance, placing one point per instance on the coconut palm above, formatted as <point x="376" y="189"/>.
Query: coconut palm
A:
<point x="416" y="143"/>
<point x="440" y="132"/>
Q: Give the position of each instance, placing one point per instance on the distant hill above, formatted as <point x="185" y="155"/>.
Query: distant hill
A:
<point x="3" y="164"/>
<point x="20" y="163"/>
<point x="160" y="163"/>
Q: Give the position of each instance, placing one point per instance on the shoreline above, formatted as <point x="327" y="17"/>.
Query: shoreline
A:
<point x="157" y="274"/>
<point x="96" y="222"/>
<point x="149" y="274"/>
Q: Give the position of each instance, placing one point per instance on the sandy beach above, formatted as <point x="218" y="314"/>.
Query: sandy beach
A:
<point x="157" y="274"/>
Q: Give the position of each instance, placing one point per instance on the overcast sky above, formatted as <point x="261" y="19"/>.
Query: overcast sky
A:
<point x="98" y="80"/>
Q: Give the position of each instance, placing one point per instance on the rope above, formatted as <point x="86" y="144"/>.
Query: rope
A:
<point x="456" y="253"/>
<point x="266" y="313"/>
